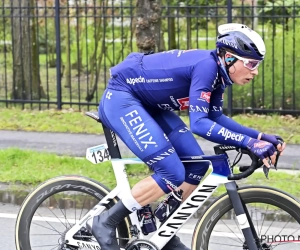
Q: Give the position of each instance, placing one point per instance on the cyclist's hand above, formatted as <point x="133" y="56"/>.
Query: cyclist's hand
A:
<point x="276" y="140"/>
<point x="263" y="150"/>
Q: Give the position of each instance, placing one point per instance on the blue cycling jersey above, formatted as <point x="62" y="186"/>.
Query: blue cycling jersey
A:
<point x="181" y="80"/>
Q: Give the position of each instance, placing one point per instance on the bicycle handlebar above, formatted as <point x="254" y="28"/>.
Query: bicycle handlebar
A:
<point x="246" y="171"/>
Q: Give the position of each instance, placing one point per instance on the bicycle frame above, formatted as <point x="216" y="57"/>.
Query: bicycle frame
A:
<point x="221" y="169"/>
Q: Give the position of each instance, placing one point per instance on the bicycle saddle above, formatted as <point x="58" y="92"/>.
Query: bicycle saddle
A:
<point x="93" y="115"/>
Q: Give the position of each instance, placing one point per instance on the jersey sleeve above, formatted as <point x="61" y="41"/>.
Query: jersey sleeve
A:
<point x="227" y="122"/>
<point x="201" y="106"/>
<point x="216" y="115"/>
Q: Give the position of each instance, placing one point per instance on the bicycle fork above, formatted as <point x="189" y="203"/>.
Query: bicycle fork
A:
<point x="243" y="217"/>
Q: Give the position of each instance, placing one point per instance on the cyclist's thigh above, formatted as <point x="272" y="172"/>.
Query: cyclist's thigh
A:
<point x="124" y="114"/>
<point x="184" y="143"/>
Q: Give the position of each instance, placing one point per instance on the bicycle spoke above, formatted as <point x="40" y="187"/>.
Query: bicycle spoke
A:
<point x="223" y="244"/>
<point x="239" y="240"/>
<point x="256" y="215"/>
<point x="45" y="234"/>
<point x="269" y="227"/>
<point x="263" y="220"/>
<point x="284" y="226"/>
<point x="82" y="207"/>
<point x="53" y="229"/>
<point x="39" y="246"/>
<point x="61" y="212"/>
<point x="273" y="222"/>
<point x="53" y="248"/>
<point x="282" y="243"/>
<point x="294" y="232"/>
<point x="54" y="215"/>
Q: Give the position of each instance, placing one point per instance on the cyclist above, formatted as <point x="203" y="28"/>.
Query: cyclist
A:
<point x="138" y="105"/>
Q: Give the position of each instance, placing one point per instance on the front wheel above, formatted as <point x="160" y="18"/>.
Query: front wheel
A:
<point x="275" y="216"/>
<point x="51" y="210"/>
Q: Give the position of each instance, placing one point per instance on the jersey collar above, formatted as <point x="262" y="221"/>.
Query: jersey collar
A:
<point x="221" y="70"/>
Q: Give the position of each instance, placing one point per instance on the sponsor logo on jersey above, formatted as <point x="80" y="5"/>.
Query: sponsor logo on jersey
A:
<point x="180" y="52"/>
<point x="165" y="106"/>
<point x="215" y="108"/>
<point x="215" y="82"/>
<point x="211" y="129"/>
<point x="108" y="95"/>
<point x="198" y="109"/>
<point x="195" y="177"/>
<point x="184" y="130"/>
<point x="184" y="103"/>
<point x="138" y="130"/>
<point x="261" y="144"/>
<point x="170" y="185"/>
<point x="166" y="137"/>
<point x="174" y="101"/>
<point x="133" y="81"/>
<point x="205" y="96"/>
<point x="230" y="135"/>
<point x="160" y="156"/>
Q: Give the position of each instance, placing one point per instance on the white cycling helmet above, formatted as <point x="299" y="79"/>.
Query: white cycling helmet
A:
<point x="242" y="40"/>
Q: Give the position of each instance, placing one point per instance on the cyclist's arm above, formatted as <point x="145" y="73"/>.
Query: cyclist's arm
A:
<point x="203" y="77"/>
<point x="216" y="114"/>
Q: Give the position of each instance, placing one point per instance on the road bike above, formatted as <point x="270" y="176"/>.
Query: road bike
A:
<point x="54" y="214"/>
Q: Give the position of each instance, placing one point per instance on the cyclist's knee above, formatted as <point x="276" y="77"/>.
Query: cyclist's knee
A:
<point x="194" y="171"/>
<point x="169" y="173"/>
<point x="170" y="181"/>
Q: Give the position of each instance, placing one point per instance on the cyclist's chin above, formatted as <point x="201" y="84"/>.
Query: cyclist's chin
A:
<point x="243" y="81"/>
<point x="240" y="83"/>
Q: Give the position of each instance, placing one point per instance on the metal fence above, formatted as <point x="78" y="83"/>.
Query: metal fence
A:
<point x="57" y="53"/>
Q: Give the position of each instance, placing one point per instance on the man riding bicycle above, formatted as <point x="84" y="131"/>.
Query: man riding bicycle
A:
<point x="138" y="105"/>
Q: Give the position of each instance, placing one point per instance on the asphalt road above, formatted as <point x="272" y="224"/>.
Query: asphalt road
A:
<point x="76" y="145"/>
<point x="222" y="238"/>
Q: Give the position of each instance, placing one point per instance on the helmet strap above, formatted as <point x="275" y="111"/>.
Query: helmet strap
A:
<point x="231" y="61"/>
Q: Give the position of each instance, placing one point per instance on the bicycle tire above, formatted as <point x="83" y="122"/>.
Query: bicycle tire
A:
<point x="51" y="187"/>
<point x="222" y="205"/>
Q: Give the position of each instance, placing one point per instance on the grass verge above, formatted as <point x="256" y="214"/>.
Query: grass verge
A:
<point x="76" y="122"/>
<point x="48" y="121"/>
<point x="30" y="168"/>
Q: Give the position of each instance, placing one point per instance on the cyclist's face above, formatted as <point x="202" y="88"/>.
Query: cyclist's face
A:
<point x="240" y="74"/>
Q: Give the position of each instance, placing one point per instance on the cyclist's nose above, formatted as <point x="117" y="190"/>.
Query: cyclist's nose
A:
<point x="254" y="72"/>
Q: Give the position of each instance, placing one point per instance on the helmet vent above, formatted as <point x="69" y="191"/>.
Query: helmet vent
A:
<point x="242" y="45"/>
<point x="255" y="48"/>
<point x="221" y="36"/>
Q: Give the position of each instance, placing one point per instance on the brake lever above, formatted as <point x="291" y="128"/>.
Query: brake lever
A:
<point x="266" y="169"/>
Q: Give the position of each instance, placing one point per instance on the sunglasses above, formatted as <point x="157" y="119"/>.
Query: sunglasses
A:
<point x="248" y="63"/>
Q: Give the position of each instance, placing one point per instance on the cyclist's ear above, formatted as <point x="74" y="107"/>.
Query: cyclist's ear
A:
<point x="229" y="59"/>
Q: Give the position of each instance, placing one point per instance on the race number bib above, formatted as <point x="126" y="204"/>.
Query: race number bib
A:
<point x="98" y="154"/>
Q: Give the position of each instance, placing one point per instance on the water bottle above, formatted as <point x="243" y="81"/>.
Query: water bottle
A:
<point x="168" y="205"/>
<point x="147" y="220"/>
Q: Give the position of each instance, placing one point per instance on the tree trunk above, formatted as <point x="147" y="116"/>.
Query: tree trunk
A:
<point x="80" y="40"/>
<point x="68" y="56"/>
<point x="27" y="83"/>
<point x="148" y="24"/>
<point x="96" y="58"/>
<point x="172" y="33"/>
